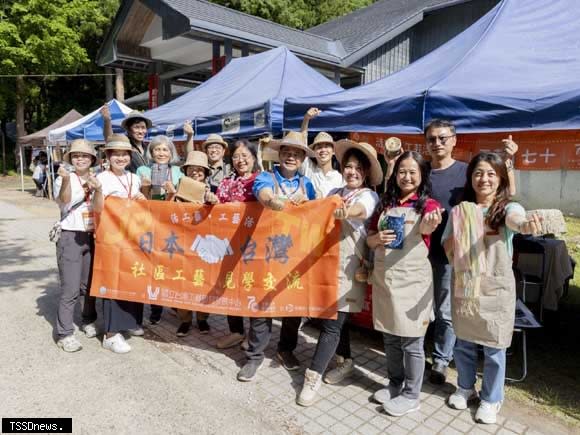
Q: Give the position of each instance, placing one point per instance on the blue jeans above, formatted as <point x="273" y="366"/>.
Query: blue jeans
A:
<point x="493" y="369"/>
<point x="444" y="335"/>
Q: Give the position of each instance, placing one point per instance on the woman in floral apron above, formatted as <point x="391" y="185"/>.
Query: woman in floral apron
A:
<point x="478" y="242"/>
<point x="360" y="170"/>
<point x="238" y="188"/>
<point x="402" y="280"/>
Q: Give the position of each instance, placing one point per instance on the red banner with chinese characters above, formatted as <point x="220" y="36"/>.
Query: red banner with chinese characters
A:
<point x="538" y="150"/>
<point x="237" y="258"/>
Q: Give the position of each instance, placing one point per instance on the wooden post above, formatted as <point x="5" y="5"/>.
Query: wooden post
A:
<point x="228" y="50"/>
<point x="119" y="85"/>
<point x="108" y="85"/>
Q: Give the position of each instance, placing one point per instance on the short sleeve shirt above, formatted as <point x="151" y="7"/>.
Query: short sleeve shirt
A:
<point x="291" y="185"/>
<point x="368" y="198"/>
<point x="75" y="220"/>
<point x="124" y="186"/>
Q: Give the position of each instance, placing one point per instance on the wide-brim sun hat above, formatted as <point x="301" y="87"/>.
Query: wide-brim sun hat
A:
<point x="214" y="139"/>
<point x="196" y="158"/>
<point x="322" y="137"/>
<point x="135" y="114"/>
<point x="80" y="146"/>
<point x="293" y="139"/>
<point x="118" y="142"/>
<point x="376" y="173"/>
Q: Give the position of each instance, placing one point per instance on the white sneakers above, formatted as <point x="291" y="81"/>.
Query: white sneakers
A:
<point x="312" y="382"/>
<point x="69" y="344"/>
<point x="116" y="344"/>
<point x="461" y="397"/>
<point x="344" y="367"/>
<point x="486" y="412"/>
<point x="90" y="330"/>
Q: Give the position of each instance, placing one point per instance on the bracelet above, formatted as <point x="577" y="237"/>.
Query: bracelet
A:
<point x="509" y="164"/>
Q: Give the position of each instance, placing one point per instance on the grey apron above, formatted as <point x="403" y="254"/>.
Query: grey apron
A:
<point x="402" y="281"/>
<point x="488" y="319"/>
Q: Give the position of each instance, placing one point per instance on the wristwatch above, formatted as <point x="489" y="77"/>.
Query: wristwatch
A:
<point x="509" y="164"/>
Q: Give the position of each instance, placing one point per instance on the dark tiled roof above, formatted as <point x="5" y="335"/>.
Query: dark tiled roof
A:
<point x="208" y="15"/>
<point x="361" y="27"/>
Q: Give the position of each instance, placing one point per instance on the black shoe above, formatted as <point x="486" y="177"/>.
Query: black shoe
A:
<point x="183" y="329"/>
<point x="203" y="326"/>
<point x="288" y="360"/>
<point x="249" y="370"/>
<point x="438" y="374"/>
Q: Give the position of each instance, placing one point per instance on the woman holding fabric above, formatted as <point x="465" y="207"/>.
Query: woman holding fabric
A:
<point x="402" y="280"/>
<point x="75" y="248"/>
<point x="194" y="188"/>
<point x="159" y="181"/>
<point x="238" y="188"/>
<point x="360" y="169"/>
<point x="118" y="182"/>
<point x="478" y="240"/>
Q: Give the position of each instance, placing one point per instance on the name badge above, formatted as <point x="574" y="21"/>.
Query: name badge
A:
<point x="89" y="220"/>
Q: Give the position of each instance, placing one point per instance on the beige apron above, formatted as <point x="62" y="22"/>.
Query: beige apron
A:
<point x="403" y="282"/>
<point x="489" y="319"/>
<point x="351" y="293"/>
<point x="283" y="195"/>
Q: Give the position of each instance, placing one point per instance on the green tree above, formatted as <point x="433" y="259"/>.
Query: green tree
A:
<point x="45" y="37"/>
<point x="300" y="14"/>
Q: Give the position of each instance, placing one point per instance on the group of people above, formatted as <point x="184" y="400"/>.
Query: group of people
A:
<point x="437" y="223"/>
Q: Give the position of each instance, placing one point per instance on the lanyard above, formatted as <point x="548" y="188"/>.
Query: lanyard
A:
<point x="129" y="183"/>
<point x="85" y="189"/>
<point x="351" y="195"/>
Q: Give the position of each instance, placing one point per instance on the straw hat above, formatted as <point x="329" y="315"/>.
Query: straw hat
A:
<point x="322" y="137"/>
<point x="80" y="146"/>
<point x="293" y="139"/>
<point x="135" y="114"/>
<point x="190" y="190"/>
<point x="118" y="142"/>
<point x="214" y="138"/>
<point x="196" y="158"/>
<point x="376" y="175"/>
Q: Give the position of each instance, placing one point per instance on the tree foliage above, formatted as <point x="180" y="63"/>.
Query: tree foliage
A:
<point x="300" y="14"/>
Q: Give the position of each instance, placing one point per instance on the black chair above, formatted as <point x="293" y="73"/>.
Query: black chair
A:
<point x="529" y="266"/>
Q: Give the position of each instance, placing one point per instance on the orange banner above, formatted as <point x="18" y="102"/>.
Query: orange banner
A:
<point x="236" y="258"/>
<point x="538" y="150"/>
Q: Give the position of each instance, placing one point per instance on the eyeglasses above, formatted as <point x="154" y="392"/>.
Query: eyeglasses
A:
<point x="442" y="139"/>
<point x="238" y="157"/>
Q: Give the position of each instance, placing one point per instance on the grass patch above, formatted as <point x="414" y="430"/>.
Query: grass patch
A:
<point x="553" y="384"/>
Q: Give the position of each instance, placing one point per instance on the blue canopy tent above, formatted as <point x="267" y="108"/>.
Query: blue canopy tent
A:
<point x="517" y="68"/>
<point x="91" y="126"/>
<point x="246" y="97"/>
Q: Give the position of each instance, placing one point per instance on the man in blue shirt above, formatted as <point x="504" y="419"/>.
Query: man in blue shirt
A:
<point x="275" y="189"/>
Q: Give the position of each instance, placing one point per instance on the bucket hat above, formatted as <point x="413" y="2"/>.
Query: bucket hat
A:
<point x="135" y="114"/>
<point x="196" y="158"/>
<point x="293" y="139"/>
<point x="80" y="146"/>
<point x="214" y="138"/>
<point x="118" y="142"/>
<point x="322" y="137"/>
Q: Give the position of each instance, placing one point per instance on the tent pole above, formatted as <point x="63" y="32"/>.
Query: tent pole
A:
<point x="21" y="169"/>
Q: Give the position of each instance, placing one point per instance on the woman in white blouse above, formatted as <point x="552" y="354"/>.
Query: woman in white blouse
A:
<point x="75" y="248"/>
<point x="119" y="182"/>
